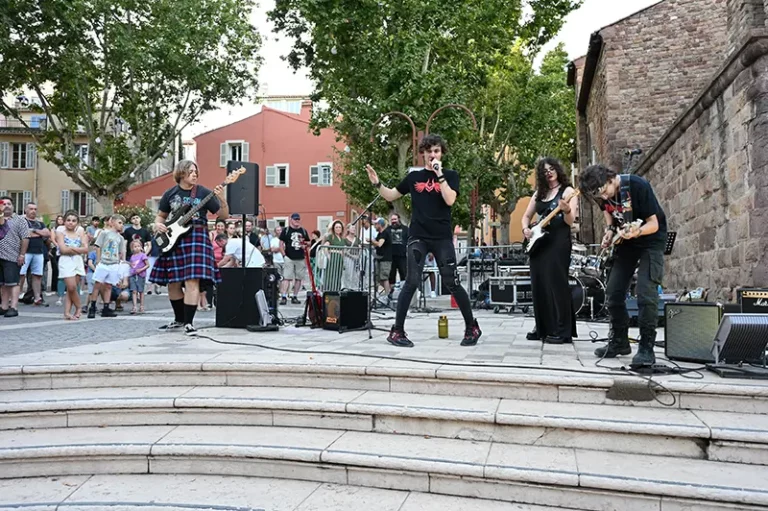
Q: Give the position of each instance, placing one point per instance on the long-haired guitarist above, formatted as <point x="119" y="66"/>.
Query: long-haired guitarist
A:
<point x="625" y="200"/>
<point x="191" y="260"/>
<point x="552" y="304"/>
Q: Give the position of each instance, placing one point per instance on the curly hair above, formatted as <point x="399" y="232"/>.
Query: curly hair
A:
<point x="593" y="177"/>
<point x="431" y="140"/>
<point x="542" y="185"/>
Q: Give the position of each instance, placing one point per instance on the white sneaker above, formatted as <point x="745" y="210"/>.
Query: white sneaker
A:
<point x="190" y="330"/>
<point x="173" y="325"/>
<point x="58" y="303"/>
<point x="432" y="295"/>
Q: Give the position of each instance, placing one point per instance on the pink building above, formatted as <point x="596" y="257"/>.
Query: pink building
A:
<point x="296" y="168"/>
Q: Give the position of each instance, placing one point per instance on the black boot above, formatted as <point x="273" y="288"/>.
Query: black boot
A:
<point x="618" y="345"/>
<point x="645" y="355"/>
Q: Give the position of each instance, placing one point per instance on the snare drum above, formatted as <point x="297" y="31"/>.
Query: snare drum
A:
<point x="592" y="266"/>
<point x="588" y="294"/>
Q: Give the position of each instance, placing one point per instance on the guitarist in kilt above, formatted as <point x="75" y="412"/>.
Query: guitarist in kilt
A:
<point x="624" y="199"/>
<point x="552" y="302"/>
<point x="191" y="260"/>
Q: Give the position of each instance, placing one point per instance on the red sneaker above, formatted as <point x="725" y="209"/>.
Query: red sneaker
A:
<point x="471" y="334"/>
<point x="398" y="338"/>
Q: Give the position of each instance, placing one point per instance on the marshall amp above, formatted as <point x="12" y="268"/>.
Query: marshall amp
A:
<point x="345" y="310"/>
<point x="753" y="301"/>
<point x="690" y="329"/>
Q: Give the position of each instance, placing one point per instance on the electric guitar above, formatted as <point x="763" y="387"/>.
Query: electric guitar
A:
<point x="538" y="232"/>
<point x="313" y="307"/>
<point x="608" y="252"/>
<point x="179" y="224"/>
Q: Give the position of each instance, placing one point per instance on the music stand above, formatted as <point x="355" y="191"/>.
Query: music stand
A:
<point x="670" y="244"/>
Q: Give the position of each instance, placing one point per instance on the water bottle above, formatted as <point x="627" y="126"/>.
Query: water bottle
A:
<point x="442" y="327"/>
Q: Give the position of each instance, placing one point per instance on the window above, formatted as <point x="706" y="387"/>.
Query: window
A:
<point x="321" y="174"/>
<point x="80" y="201"/>
<point x="278" y="175"/>
<point x="322" y="224"/>
<point x="17" y="156"/>
<point x="20" y="199"/>
<point x="82" y="154"/>
<point x="153" y="203"/>
<point x="274" y="222"/>
<point x="234" y="150"/>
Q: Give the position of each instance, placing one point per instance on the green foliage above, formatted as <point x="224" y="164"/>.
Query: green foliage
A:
<point x="146" y="214"/>
<point x="370" y="57"/>
<point x="123" y="77"/>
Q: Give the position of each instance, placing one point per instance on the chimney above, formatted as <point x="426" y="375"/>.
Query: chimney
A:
<point x="744" y="18"/>
<point x="306" y="109"/>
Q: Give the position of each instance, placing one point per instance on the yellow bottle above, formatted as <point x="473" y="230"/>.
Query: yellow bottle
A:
<point x="442" y="327"/>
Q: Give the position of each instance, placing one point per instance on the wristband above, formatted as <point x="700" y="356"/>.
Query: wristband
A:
<point x="441" y="178"/>
<point x="377" y="185"/>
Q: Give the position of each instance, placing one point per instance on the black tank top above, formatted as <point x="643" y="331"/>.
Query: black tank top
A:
<point x="544" y="208"/>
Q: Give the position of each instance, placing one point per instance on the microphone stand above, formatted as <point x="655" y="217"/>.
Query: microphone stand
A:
<point x="368" y="267"/>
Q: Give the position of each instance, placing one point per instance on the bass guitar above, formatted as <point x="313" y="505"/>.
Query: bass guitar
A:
<point x="538" y="229"/>
<point x="313" y="307"/>
<point x="180" y="222"/>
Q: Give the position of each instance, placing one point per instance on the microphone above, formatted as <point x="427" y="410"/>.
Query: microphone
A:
<point x="435" y="166"/>
<point x="633" y="152"/>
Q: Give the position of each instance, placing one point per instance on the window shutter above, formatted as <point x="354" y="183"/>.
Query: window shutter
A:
<point x="223" y="155"/>
<point x="27" y="197"/>
<point x="271" y="224"/>
<point x="246" y="151"/>
<point x="326" y="175"/>
<point x="314" y="174"/>
<point x="90" y="203"/>
<point x="30" y="163"/>
<point x="64" y="201"/>
<point x="271" y="176"/>
<point x="4" y="154"/>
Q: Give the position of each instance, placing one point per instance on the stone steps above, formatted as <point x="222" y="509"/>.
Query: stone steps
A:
<point x="572" y="478"/>
<point x="150" y="492"/>
<point x="536" y="384"/>
<point x="717" y="436"/>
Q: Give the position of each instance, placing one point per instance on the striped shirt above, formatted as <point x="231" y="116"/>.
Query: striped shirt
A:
<point x="12" y="232"/>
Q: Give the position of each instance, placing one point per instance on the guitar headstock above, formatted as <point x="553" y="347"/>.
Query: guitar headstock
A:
<point x="234" y="175"/>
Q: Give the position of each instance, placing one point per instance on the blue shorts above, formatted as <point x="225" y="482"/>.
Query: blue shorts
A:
<point x="136" y="283"/>
<point x="34" y="263"/>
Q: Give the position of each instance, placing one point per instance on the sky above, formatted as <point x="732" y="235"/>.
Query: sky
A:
<point x="277" y="78"/>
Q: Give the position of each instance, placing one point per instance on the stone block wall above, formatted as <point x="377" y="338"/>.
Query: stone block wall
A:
<point x="713" y="184"/>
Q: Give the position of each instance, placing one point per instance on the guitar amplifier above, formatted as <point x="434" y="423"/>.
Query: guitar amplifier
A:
<point x="753" y="301"/>
<point x="690" y="330"/>
<point x="345" y="310"/>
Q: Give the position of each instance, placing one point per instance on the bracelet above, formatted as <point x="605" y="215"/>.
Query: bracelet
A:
<point x="441" y="178"/>
<point x="377" y="185"/>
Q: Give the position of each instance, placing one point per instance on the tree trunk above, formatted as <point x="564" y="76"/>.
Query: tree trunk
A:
<point x="107" y="204"/>
<point x="504" y="219"/>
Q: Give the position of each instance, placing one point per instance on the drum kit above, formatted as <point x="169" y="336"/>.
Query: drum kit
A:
<point x="588" y="277"/>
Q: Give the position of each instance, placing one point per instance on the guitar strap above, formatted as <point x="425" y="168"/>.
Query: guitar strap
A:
<point x="626" y="198"/>
<point x="192" y="196"/>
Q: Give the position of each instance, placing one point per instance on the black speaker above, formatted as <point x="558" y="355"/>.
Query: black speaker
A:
<point x="741" y="338"/>
<point x="243" y="194"/>
<point x="690" y="330"/>
<point x="236" y="295"/>
<point x="345" y="310"/>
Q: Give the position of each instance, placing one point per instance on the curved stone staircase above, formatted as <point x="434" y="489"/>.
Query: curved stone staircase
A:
<point x="404" y="436"/>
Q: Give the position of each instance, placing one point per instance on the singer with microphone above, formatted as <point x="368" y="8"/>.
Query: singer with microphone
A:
<point x="433" y="192"/>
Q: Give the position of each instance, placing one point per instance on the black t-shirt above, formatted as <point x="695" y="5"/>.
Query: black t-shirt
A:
<point x="384" y="252"/>
<point x="644" y="206"/>
<point x="431" y="215"/>
<point x="175" y="197"/>
<point x="254" y="238"/>
<point x="36" y="244"/>
<point x="131" y="233"/>
<point x="293" y="239"/>
<point x="399" y="239"/>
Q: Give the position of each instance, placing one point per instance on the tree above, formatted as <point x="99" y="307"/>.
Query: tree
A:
<point x="524" y="115"/>
<point x="369" y="57"/>
<point x="122" y="77"/>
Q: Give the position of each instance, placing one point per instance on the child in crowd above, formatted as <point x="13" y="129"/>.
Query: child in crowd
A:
<point x="90" y="268"/>
<point x="121" y="291"/>
<point x="72" y="243"/>
<point x="139" y="265"/>
<point x="110" y="250"/>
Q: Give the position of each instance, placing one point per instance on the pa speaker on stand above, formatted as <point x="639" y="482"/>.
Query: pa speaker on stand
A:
<point x="243" y="195"/>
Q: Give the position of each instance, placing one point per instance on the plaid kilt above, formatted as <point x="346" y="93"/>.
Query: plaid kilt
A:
<point x="190" y="259"/>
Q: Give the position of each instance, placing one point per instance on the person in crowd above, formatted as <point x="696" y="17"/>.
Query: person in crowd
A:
<point x="93" y="229"/>
<point x="314" y="243"/>
<point x="233" y="254"/>
<point x="138" y="275"/>
<point x="136" y="232"/>
<point x="277" y="250"/>
<point x="73" y="244"/>
<point x="251" y="234"/>
<point x="35" y="258"/>
<point x="53" y="256"/>
<point x="335" y="267"/>
<point x="295" y="268"/>
<point x="90" y="267"/>
<point x="219" y="228"/>
<point x="383" y="243"/>
<point x="14" y="242"/>
<point x="552" y="302"/>
<point x="153" y="253"/>
<point x="399" y="234"/>
<point x="231" y="230"/>
<point x="110" y="250"/>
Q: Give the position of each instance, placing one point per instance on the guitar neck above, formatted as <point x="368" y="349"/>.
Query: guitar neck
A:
<point x="557" y="210"/>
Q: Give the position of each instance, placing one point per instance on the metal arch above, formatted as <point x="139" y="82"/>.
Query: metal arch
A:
<point x="414" y="139"/>
<point x="452" y="105"/>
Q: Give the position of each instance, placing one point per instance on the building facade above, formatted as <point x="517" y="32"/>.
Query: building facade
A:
<point x="686" y="82"/>
<point x="297" y="169"/>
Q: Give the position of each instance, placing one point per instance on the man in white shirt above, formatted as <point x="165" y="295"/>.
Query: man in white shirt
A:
<point x="233" y="253"/>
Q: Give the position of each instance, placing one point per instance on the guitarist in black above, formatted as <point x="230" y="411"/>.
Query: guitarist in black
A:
<point x="191" y="260"/>
<point x="624" y="199"/>
<point x="552" y="303"/>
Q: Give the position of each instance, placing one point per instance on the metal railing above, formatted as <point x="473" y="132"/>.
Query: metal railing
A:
<point x="338" y="268"/>
<point x="37" y="124"/>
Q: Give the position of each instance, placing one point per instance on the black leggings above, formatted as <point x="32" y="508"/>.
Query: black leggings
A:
<point x="445" y="255"/>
